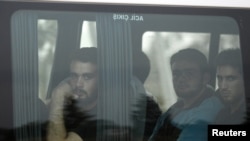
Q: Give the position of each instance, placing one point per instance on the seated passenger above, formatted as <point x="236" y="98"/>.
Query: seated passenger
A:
<point x="141" y="69"/>
<point x="197" y="106"/>
<point x="73" y="103"/>
<point x="231" y="87"/>
<point x="73" y="113"/>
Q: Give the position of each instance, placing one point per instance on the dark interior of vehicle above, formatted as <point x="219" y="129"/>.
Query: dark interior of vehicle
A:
<point x="120" y="33"/>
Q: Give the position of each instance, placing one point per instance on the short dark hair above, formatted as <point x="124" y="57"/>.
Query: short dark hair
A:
<point x="230" y="57"/>
<point x="86" y="54"/>
<point x="192" y="55"/>
<point x="141" y="63"/>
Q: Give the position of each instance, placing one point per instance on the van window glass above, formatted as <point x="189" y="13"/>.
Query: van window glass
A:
<point x="88" y="34"/>
<point x="159" y="47"/>
<point x="47" y="35"/>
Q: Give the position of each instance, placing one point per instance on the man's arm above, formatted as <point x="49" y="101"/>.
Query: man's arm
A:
<point x="56" y="127"/>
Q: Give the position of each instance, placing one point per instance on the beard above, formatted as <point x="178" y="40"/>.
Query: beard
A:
<point x="84" y="99"/>
<point x="77" y="110"/>
<point x="85" y="102"/>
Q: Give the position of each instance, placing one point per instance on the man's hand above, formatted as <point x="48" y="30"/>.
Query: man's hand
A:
<point x="63" y="89"/>
<point x="56" y="128"/>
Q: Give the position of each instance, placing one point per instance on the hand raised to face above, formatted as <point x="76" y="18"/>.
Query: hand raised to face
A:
<point x="63" y="89"/>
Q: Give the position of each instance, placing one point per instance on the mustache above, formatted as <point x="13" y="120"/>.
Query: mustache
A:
<point x="71" y="99"/>
<point x="77" y="90"/>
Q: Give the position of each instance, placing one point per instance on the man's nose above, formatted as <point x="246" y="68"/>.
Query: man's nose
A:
<point x="79" y="82"/>
<point x="182" y="77"/>
<point x="223" y="84"/>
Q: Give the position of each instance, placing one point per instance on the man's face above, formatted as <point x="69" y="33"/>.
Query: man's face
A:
<point x="187" y="78"/>
<point x="83" y="79"/>
<point x="230" y="83"/>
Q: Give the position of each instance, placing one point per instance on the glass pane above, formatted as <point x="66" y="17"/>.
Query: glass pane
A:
<point x="159" y="47"/>
<point x="88" y="36"/>
<point x="47" y="35"/>
<point x="229" y="41"/>
<point x="114" y="91"/>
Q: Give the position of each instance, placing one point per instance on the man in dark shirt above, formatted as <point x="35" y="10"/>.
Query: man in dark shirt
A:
<point x="231" y="87"/>
<point x="73" y="115"/>
<point x="74" y="99"/>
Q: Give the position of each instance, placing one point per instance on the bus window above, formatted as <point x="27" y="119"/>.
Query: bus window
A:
<point x="88" y="35"/>
<point x="159" y="47"/>
<point x="42" y="39"/>
<point x="47" y="35"/>
<point x="228" y="41"/>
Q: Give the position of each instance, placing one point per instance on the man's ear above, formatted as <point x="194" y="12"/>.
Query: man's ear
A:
<point x="206" y="78"/>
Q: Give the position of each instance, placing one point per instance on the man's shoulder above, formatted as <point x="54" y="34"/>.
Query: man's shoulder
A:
<point x="208" y="109"/>
<point x="212" y="102"/>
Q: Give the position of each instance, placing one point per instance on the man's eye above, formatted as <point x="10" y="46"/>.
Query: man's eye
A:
<point x="88" y="76"/>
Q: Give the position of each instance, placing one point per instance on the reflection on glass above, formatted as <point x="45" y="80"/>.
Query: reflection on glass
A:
<point x="159" y="46"/>
<point x="47" y="35"/>
<point x="229" y="41"/>
<point x="88" y="35"/>
<point x="117" y="48"/>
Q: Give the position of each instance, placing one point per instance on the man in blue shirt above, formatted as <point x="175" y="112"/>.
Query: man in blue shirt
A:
<point x="197" y="106"/>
